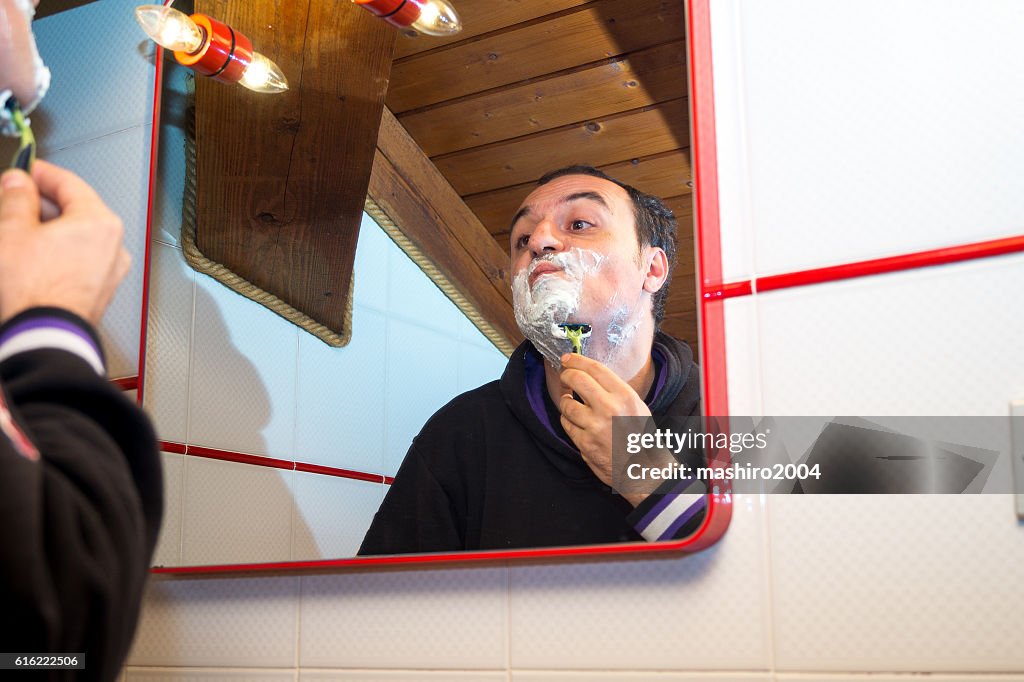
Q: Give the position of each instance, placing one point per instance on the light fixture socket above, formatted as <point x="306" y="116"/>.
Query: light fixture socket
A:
<point x="225" y="52"/>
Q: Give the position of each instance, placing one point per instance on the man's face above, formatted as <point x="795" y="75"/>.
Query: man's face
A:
<point x="576" y="259"/>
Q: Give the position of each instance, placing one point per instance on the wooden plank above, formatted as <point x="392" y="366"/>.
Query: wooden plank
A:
<point x="482" y="16"/>
<point x="51" y="7"/>
<point x="597" y="31"/>
<point x="662" y="175"/>
<point x="644" y="132"/>
<point x="429" y="212"/>
<point x="621" y="84"/>
<point x="282" y="178"/>
<point x="683" y="326"/>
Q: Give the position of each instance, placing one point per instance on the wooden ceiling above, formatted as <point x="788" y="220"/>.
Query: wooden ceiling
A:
<point x="529" y="86"/>
<point x="533" y="85"/>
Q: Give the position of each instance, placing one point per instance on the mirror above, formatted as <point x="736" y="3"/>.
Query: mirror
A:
<point x="278" y="450"/>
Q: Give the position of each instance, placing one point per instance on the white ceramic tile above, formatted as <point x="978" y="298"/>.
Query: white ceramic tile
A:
<point x="835" y="677"/>
<point x="699" y="612"/>
<point x="339" y="417"/>
<point x="478" y="366"/>
<point x="742" y="356"/>
<point x="735" y="219"/>
<point x="897" y="583"/>
<point x="422" y="376"/>
<point x="235" y="513"/>
<point x="243" y="374"/>
<point x="168" y="546"/>
<point x="401" y="676"/>
<point x="167" y="204"/>
<point x="469" y="333"/>
<point x="424" y="619"/>
<point x="933" y="341"/>
<point x="207" y="675"/>
<point x="868" y="136"/>
<point x="413" y="297"/>
<point x="168" y="342"/>
<point x="248" y="622"/>
<point x="634" y="676"/>
<point x="117" y="167"/>
<point x="101" y="65"/>
<point x="331" y="515"/>
<point x="373" y="251"/>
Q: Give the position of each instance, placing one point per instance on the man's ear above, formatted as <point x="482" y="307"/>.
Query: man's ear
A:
<point x="657" y="269"/>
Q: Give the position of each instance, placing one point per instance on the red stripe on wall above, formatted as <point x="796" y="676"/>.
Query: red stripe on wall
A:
<point x="126" y="383"/>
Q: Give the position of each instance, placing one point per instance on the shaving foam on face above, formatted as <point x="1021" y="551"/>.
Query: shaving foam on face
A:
<point x="21" y="38"/>
<point x="553" y="300"/>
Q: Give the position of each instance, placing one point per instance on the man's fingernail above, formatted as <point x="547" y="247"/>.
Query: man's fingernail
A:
<point x="12" y="179"/>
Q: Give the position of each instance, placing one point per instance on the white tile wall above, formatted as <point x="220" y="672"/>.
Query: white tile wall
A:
<point x="340" y="411"/>
<point x="235" y="513"/>
<point x="331" y="515"/>
<point x="199" y="675"/>
<point x="168" y="547"/>
<point x="897" y="582"/>
<point x="243" y="374"/>
<point x="868" y="136"/>
<point x="634" y="676"/>
<point x="400" y="676"/>
<point x="933" y="341"/>
<point x="101" y="66"/>
<point x="169" y="341"/>
<point x="117" y="167"/>
<point x="707" y="611"/>
<point x="422" y="375"/>
<point x="220" y="622"/>
<point x="424" y="619"/>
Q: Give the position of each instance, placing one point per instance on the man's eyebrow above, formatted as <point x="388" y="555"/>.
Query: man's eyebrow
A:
<point x="524" y="211"/>
<point x="594" y="196"/>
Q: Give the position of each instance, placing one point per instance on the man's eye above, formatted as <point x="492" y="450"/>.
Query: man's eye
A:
<point x="577" y="225"/>
<point x="522" y="241"/>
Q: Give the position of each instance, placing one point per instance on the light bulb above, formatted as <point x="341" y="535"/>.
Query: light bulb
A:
<point x="170" y="28"/>
<point x="437" y="18"/>
<point x="263" y="75"/>
<point x="433" y="17"/>
<point x="211" y="48"/>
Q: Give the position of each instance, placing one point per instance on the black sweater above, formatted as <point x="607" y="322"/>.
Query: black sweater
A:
<point x="80" y="505"/>
<point x="494" y="470"/>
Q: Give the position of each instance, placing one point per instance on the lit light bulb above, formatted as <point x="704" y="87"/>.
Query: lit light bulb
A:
<point x="170" y="28"/>
<point x="263" y="75"/>
<point x="433" y="17"/>
<point x="211" y="48"/>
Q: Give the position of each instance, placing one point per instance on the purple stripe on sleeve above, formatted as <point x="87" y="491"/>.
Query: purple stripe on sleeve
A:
<point x="48" y="323"/>
<point x="686" y="516"/>
<point x="665" y="501"/>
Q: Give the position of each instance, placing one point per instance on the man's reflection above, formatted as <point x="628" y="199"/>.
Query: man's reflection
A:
<point x="520" y="462"/>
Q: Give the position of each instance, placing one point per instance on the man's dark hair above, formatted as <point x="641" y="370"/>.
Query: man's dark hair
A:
<point x="655" y="225"/>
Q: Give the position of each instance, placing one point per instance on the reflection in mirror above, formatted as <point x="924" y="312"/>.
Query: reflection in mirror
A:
<point x="279" y="448"/>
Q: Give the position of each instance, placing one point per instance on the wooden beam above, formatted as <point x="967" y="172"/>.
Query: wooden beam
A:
<point x="594" y="32"/>
<point x="282" y="178"/>
<point x="428" y="211"/>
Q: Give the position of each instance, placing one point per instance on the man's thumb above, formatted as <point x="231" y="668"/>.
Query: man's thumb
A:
<point x="19" y="198"/>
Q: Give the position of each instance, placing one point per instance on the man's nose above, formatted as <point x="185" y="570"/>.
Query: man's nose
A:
<point x="545" y="238"/>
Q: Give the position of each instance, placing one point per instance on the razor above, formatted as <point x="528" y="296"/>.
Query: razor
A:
<point x="14" y="120"/>
<point x="575" y="333"/>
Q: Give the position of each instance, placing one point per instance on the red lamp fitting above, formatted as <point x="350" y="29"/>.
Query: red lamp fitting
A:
<point x="225" y="52"/>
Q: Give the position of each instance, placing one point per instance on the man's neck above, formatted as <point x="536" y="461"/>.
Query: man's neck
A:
<point x="637" y="370"/>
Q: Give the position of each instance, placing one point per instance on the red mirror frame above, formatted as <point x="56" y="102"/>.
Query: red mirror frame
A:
<point x="712" y="331"/>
